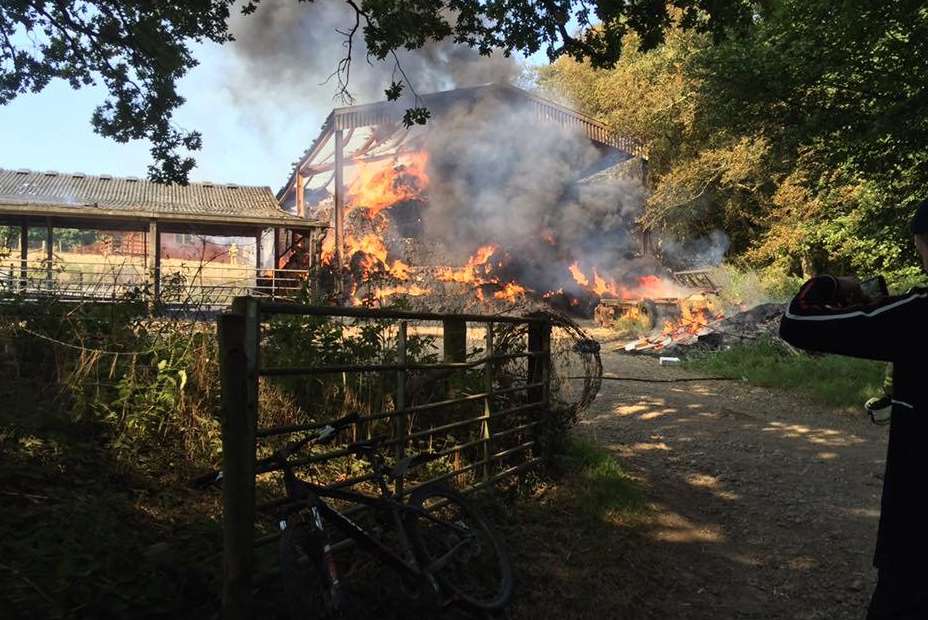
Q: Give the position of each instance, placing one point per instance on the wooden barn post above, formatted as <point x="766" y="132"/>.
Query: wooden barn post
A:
<point x="339" y="207"/>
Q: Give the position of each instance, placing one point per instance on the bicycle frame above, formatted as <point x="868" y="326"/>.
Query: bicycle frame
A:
<point x="313" y="495"/>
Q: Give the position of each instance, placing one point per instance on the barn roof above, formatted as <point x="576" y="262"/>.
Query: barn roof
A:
<point x="390" y="113"/>
<point x="29" y="193"/>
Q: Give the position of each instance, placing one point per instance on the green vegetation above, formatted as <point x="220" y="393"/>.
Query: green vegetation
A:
<point x="87" y="536"/>
<point x="603" y="490"/>
<point x="829" y="379"/>
<point x="110" y="412"/>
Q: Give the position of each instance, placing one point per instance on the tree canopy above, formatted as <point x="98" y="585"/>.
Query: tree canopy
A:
<point x="805" y="139"/>
<point x="139" y="49"/>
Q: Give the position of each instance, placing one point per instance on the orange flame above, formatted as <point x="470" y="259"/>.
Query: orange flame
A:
<point x="468" y="273"/>
<point x="692" y="321"/>
<point x="510" y="292"/>
<point x="379" y="185"/>
<point x="578" y="275"/>
<point x="601" y="286"/>
<point x="413" y="290"/>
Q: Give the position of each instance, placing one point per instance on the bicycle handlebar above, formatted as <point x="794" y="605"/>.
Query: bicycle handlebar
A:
<point x="323" y="435"/>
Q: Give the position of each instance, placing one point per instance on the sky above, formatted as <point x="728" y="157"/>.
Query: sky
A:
<point x="51" y="130"/>
<point x="248" y="145"/>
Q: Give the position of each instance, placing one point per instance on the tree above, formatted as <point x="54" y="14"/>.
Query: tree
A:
<point x="140" y="48"/>
<point x="805" y="139"/>
<point x="702" y="177"/>
<point x="840" y="90"/>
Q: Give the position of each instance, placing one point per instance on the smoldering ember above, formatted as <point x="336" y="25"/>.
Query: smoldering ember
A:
<point x="377" y="309"/>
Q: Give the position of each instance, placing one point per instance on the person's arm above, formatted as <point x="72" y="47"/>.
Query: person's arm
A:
<point x="826" y="316"/>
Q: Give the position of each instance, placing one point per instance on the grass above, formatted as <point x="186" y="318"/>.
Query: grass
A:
<point x="829" y="379"/>
<point x="84" y="536"/>
<point x="603" y="489"/>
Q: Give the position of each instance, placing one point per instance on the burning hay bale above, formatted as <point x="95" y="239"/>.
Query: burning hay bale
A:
<point x="760" y="322"/>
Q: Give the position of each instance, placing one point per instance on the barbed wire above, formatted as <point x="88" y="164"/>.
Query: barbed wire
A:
<point x="81" y="348"/>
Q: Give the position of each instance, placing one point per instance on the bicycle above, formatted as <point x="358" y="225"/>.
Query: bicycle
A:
<point x="447" y="550"/>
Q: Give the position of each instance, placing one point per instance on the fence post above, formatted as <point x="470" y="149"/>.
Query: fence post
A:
<point x="400" y="431"/>
<point x="238" y="362"/>
<point x="539" y="344"/>
<point x="490" y="370"/>
<point x="454" y="339"/>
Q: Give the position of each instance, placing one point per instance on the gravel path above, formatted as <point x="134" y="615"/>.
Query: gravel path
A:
<point x="766" y="506"/>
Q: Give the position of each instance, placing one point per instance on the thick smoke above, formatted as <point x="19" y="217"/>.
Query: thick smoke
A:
<point x="286" y="52"/>
<point x="499" y="175"/>
<point x="693" y="253"/>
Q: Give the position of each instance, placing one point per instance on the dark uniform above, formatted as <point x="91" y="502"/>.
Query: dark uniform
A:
<point x="891" y="330"/>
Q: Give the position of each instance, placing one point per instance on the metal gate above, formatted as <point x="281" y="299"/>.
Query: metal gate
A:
<point x="488" y="434"/>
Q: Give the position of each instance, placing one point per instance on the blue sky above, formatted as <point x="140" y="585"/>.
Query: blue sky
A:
<point x="245" y="144"/>
<point x="51" y="131"/>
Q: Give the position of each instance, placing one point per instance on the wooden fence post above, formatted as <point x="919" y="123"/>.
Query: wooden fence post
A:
<point x="539" y="370"/>
<point x="400" y="427"/>
<point x="454" y="340"/>
<point x="238" y="362"/>
<point x="490" y="375"/>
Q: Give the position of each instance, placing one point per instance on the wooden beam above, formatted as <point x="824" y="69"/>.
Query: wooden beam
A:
<point x="454" y="340"/>
<point x="258" y="237"/>
<point x="300" y="200"/>
<point x="339" y="207"/>
<point x="87" y="216"/>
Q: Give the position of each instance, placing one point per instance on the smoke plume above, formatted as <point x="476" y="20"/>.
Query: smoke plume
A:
<point x="499" y="176"/>
<point x="287" y="52"/>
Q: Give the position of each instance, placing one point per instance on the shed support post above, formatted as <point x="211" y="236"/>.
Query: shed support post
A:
<point x="153" y="260"/>
<point x="277" y="252"/>
<point x="23" y="256"/>
<point x="49" y="254"/>
<point x="238" y="367"/>
<point x="339" y="207"/>
<point x="276" y="264"/>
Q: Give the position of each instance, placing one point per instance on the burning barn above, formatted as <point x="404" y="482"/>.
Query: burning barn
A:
<point x="502" y="197"/>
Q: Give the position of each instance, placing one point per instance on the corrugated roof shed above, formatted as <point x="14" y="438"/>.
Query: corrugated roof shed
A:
<point x="77" y="194"/>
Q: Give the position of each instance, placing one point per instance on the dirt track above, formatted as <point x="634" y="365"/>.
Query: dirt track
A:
<point x="764" y="506"/>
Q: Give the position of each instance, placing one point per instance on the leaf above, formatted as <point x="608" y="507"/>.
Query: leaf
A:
<point x="394" y="91"/>
<point x="416" y="116"/>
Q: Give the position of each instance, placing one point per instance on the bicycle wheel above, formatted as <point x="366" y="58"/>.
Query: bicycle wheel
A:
<point x="301" y="573"/>
<point x="466" y="556"/>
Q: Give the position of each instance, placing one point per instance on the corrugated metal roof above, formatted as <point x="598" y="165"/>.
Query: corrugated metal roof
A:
<point x="135" y="196"/>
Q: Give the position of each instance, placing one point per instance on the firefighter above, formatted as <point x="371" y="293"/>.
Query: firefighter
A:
<point x="832" y="315"/>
